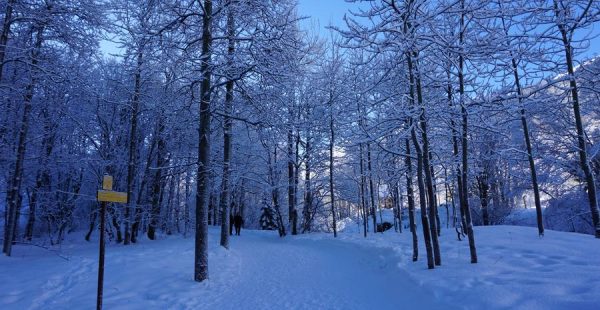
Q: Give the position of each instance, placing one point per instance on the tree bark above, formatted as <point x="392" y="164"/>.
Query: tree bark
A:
<point x="482" y="181"/>
<point x="371" y="189"/>
<point x="132" y="164"/>
<point x="186" y="208"/>
<point x="227" y="136"/>
<point x="411" y="202"/>
<point x="296" y="181"/>
<point x="308" y="187"/>
<point x="272" y="162"/>
<point x="291" y="192"/>
<point x="157" y="182"/>
<point x="331" y="188"/>
<point x="423" y="202"/>
<point x="5" y="32"/>
<point x="455" y="151"/>
<point x="415" y="77"/>
<point x="202" y="178"/>
<point x="464" y="140"/>
<point x="137" y="216"/>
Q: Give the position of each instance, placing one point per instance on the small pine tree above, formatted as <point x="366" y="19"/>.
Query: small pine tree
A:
<point x="267" y="220"/>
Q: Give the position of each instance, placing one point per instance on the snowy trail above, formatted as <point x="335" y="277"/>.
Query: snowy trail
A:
<point x="260" y="271"/>
<point x="317" y="274"/>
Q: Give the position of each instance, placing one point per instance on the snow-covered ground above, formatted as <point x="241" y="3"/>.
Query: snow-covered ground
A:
<point x="516" y="270"/>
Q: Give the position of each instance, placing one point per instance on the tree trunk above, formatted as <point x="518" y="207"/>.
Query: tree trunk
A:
<point x="213" y="205"/>
<point x="371" y="189"/>
<point x="415" y="76"/>
<point x="532" y="168"/>
<point x="398" y="204"/>
<point x="132" y="165"/>
<point x="272" y="162"/>
<point x="242" y="203"/>
<point x="527" y="136"/>
<point x="227" y="136"/>
<point x="157" y="182"/>
<point x="276" y="206"/>
<point x="362" y="190"/>
<point x="177" y="208"/>
<point x="14" y="190"/>
<point x="168" y="219"/>
<point x="296" y="181"/>
<point x="331" y="188"/>
<point x="186" y="208"/>
<point x="42" y="180"/>
<point x="92" y="224"/>
<point x="464" y="140"/>
<point x="482" y="182"/>
<point x="202" y="182"/>
<point x="582" y="147"/>
<point x="455" y="152"/>
<point x="411" y="202"/>
<point x="5" y="32"/>
<point x="435" y="197"/>
<point x="292" y="168"/>
<point x="308" y="188"/>
<point x="291" y="192"/>
<point x="137" y="216"/>
<point x="423" y="202"/>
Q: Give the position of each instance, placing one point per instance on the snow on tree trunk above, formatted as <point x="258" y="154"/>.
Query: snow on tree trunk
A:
<point x="227" y="136"/>
<point x="566" y="36"/>
<point x="411" y="202"/>
<point x="203" y="175"/>
<point x="464" y="169"/>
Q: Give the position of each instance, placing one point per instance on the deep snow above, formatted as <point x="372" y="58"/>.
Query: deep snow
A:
<point x="516" y="270"/>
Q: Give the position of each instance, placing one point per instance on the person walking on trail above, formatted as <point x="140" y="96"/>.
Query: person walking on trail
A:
<point x="230" y="224"/>
<point x="238" y="222"/>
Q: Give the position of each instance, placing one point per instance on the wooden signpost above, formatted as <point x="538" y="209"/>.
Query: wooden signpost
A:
<point x="105" y="195"/>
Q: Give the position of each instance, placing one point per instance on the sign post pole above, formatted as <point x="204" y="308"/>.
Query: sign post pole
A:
<point x="101" y="256"/>
<point x="105" y="195"/>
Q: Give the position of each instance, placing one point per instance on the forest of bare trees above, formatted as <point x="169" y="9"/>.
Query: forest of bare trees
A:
<point x="453" y="113"/>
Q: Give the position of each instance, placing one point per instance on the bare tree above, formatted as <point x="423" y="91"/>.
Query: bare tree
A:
<point x="203" y="174"/>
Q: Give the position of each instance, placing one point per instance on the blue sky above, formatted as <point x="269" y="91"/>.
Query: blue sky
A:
<point x="324" y="12"/>
<point x="321" y="13"/>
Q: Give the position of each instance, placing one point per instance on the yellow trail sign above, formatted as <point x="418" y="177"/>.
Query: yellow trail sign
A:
<point x="107" y="183"/>
<point x="110" y="196"/>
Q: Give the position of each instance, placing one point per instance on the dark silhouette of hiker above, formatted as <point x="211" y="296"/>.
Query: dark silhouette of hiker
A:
<point x="230" y="224"/>
<point x="238" y="222"/>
